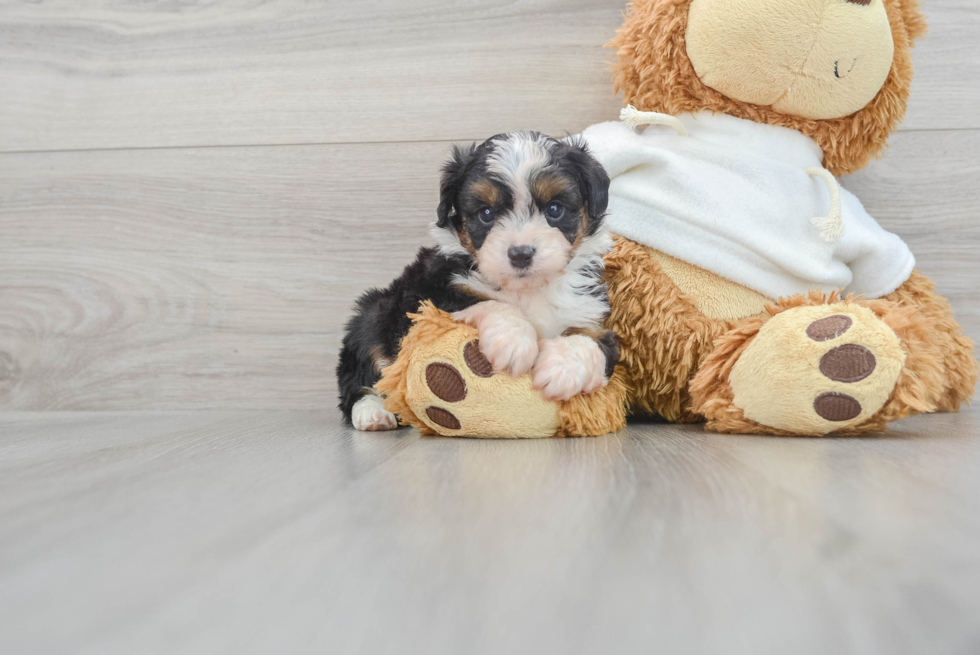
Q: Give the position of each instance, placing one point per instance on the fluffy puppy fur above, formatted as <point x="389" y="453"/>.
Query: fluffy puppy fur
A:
<point x="521" y="241"/>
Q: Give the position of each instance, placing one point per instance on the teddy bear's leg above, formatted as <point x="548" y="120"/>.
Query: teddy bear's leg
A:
<point x="815" y="364"/>
<point x="442" y="384"/>
<point x="938" y="371"/>
<point x="663" y="335"/>
<point x="954" y="349"/>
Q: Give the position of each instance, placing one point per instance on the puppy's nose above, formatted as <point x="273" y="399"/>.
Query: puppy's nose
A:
<point x="520" y="256"/>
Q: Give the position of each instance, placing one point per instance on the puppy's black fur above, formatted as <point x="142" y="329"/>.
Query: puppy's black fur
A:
<point x="381" y="319"/>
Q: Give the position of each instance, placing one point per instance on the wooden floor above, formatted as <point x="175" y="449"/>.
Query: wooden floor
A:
<point x="278" y="532"/>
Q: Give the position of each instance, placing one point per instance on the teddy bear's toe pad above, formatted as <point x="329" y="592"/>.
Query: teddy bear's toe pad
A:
<point x="848" y="363"/>
<point x="442" y="417"/>
<point x="834" y="406"/>
<point x="828" y="328"/>
<point x="476" y="360"/>
<point x="817" y="369"/>
<point x="445" y="382"/>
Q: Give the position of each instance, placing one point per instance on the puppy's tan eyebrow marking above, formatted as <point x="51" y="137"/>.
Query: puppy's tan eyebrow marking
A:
<point x="485" y="192"/>
<point x="547" y="187"/>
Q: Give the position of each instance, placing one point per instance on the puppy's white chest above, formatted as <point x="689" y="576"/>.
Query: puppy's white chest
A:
<point x="555" y="309"/>
<point x="547" y="319"/>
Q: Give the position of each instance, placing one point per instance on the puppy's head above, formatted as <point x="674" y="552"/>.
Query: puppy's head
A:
<point x="521" y="204"/>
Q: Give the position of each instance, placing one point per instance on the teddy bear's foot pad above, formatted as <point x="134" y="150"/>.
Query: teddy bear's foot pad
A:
<point x="447" y="384"/>
<point x="817" y="369"/>
<point x="452" y="388"/>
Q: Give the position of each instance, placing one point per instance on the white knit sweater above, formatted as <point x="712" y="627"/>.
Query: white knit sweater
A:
<point x="734" y="197"/>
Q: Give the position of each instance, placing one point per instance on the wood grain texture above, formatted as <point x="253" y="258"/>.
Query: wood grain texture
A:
<point x="137" y="74"/>
<point x="221" y="277"/>
<point x="946" y="87"/>
<point x="921" y="190"/>
<point x="280" y="532"/>
<point x="197" y="278"/>
<point x="133" y="74"/>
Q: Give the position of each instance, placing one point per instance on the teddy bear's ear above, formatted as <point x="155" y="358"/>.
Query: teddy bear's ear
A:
<point x="453" y="175"/>
<point x="915" y="22"/>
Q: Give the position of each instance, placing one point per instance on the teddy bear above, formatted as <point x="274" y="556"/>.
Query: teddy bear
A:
<point x="748" y="289"/>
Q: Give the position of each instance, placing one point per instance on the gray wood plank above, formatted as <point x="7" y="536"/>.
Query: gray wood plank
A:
<point x="135" y="74"/>
<point x="180" y="278"/>
<point x="258" y="532"/>
<point x="947" y="68"/>
<point x="221" y="277"/>
<point x="921" y="190"/>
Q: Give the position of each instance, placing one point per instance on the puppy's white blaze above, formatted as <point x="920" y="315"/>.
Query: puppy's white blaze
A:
<point x="516" y="160"/>
<point x="369" y="414"/>
<point x="568" y="366"/>
<point x="565" y="302"/>
<point x="446" y="240"/>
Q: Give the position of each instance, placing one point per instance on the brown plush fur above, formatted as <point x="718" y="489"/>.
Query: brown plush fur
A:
<point x="954" y="349"/>
<point x="939" y="372"/>
<point x="663" y="337"/>
<point x="597" y="413"/>
<point x="655" y="74"/>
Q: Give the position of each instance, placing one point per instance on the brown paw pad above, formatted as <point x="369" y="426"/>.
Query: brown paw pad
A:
<point x="477" y="362"/>
<point x="445" y="382"/>
<point x="834" y="406"/>
<point x="829" y="328"/>
<point x="848" y="363"/>
<point x="441" y="417"/>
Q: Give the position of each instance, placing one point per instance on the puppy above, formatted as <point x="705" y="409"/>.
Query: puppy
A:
<point x="521" y="239"/>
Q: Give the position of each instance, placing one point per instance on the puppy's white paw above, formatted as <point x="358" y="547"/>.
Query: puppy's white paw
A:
<point x="506" y="337"/>
<point x="568" y="366"/>
<point x="369" y="414"/>
<point x="509" y="342"/>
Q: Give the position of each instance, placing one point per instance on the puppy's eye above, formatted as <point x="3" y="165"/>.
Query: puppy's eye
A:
<point x="487" y="215"/>
<point x="554" y="212"/>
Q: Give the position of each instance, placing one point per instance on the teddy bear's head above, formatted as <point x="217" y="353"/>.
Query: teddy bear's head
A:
<point x="837" y="70"/>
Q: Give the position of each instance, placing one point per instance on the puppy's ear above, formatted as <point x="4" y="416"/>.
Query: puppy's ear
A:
<point x="453" y="175"/>
<point x="592" y="179"/>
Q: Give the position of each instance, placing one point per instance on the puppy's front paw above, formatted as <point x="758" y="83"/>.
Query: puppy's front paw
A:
<point x="370" y="415"/>
<point x="506" y="337"/>
<point x="568" y="366"/>
<point x="509" y="342"/>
